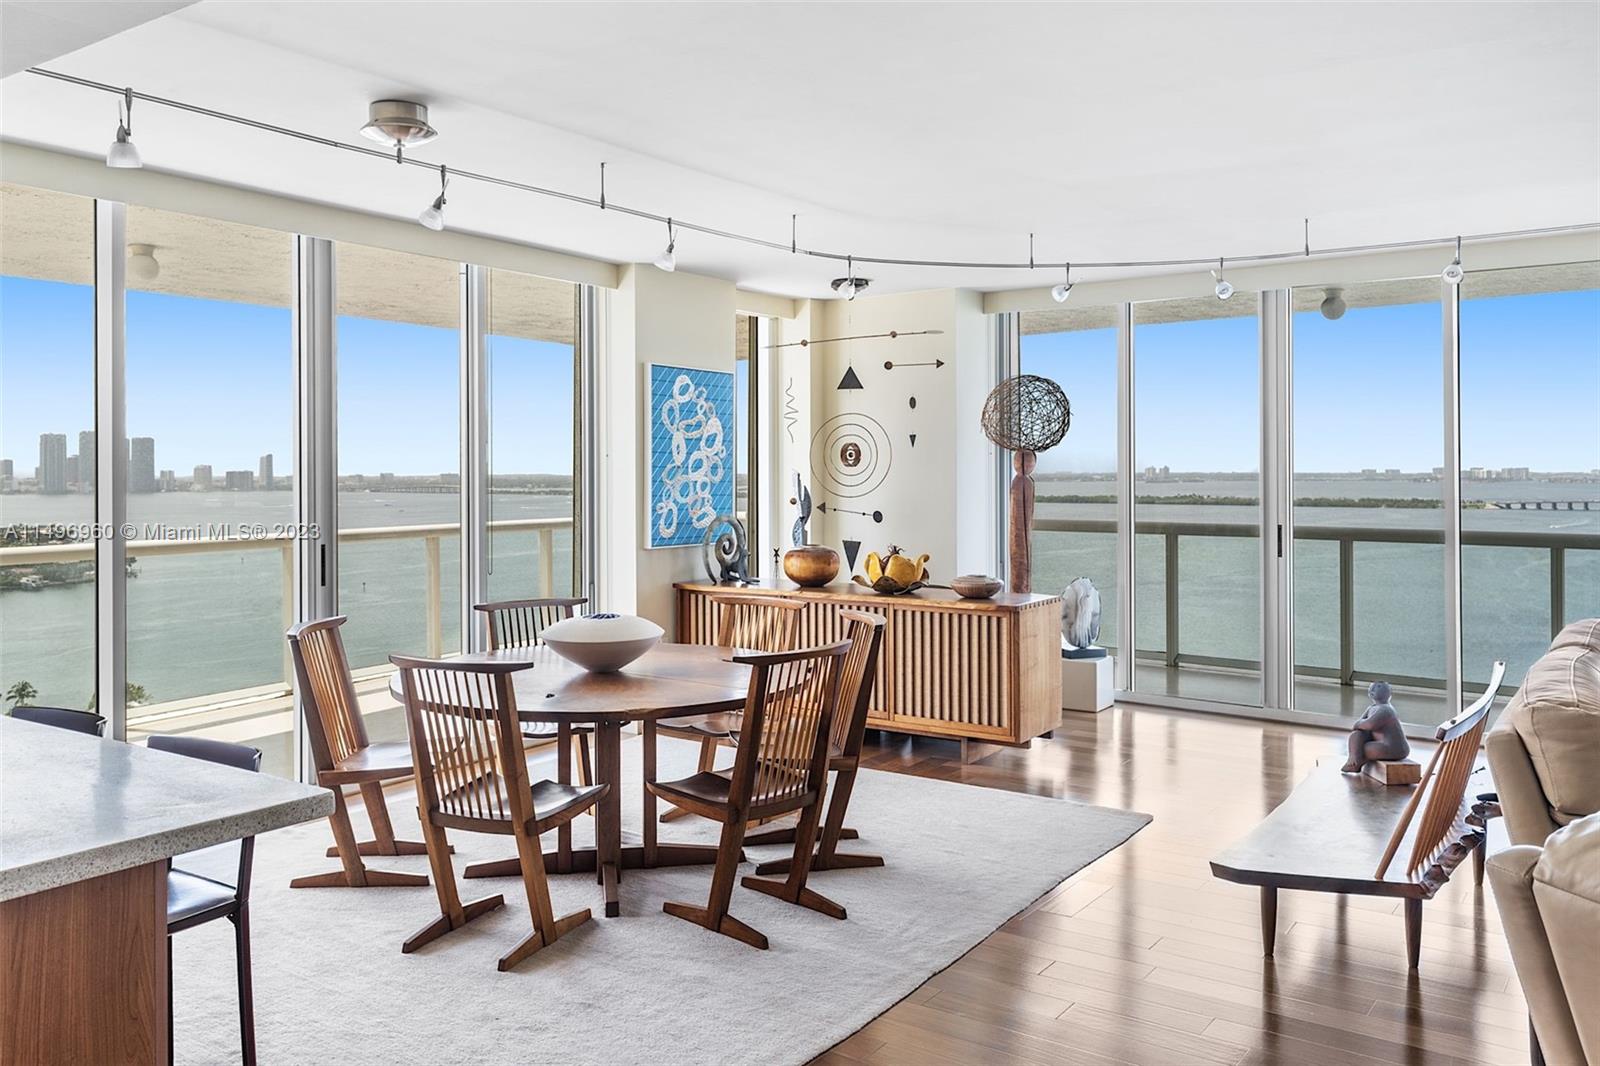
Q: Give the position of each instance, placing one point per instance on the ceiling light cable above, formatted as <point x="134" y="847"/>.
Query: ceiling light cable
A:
<point x="123" y="154"/>
<point x="432" y="216"/>
<point x="778" y="246"/>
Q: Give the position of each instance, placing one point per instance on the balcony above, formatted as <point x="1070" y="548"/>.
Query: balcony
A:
<point x="262" y="715"/>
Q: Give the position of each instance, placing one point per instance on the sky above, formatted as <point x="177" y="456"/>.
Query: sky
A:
<point x="211" y="382"/>
<point x="1367" y="389"/>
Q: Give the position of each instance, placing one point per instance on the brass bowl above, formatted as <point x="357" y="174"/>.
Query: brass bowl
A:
<point x="975" y="586"/>
<point x="811" y="565"/>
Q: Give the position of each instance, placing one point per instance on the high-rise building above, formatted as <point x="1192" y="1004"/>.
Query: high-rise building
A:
<point x="202" y="478"/>
<point x="239" y="481"/>
<point x="8" y="476"/>
<point x="72" y="470"/>
<point x="142" y="465"/>
<point x="168" y="481"/>
<point x="86" y="460"/>
<point x="264" y="478"/>
<point x="52" y="473"/>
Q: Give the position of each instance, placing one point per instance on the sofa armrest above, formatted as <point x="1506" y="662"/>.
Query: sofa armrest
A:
<point x="1511" y="877"/>
<point x="1522" y="799"/>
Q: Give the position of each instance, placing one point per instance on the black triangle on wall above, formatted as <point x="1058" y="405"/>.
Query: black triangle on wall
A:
<point x="913" y="440"/>
<point x="850" y="381"/>
<point x="851" y="549"/>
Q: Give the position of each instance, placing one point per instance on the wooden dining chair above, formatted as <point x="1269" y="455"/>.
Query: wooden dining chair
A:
<point x="519" y="624"/>
<point x="846" y="732"/>
<point x="781" y="768"/>
<point x="471" y="774"/>
<point x="755" y="623"/>
<point x="344" y="756"/>
<point x="195" y="899"/>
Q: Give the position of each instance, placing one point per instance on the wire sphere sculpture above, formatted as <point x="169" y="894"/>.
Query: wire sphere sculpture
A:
<point x="1027" y="413"/>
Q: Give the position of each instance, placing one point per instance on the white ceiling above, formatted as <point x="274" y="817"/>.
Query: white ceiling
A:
<point x="1113" y="131"/>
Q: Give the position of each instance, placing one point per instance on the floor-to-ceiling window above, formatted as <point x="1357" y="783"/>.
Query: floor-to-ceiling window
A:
<point x="1530" y="461"/>
<point x="1074" y="532"/>
<point x="1197" y="498"/>
<point x="1369" y="577"/>
<point x="399" y="464"/>
<point x="210" y="407"/>
<point x="47" y="448"/>
<point x="530" y="358"/>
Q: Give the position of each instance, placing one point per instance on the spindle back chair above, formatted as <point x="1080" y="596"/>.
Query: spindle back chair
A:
<point x="521" y="624"/>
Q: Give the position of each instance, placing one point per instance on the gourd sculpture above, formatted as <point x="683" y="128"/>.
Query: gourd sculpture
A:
<point x="1026" y="414"/>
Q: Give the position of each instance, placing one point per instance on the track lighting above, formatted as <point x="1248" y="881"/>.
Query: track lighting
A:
<point x="142" y="262"/>
<point x="849" y="285"/>
<point x="432" y="216"/>
<point x="1333" y="305"/>
<point x="1059" y="293"/>
<point x="123" y="154"/>
<point x="1453" y="273"/>
<point x="398" y="124"/>
<point x="668" y="259"/>
<point x="1223" y="289"/>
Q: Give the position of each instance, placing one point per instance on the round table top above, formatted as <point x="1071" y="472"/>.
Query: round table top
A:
<point x="668" y="681"/>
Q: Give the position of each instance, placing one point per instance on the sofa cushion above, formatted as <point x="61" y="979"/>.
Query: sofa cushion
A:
<point x="1557" y="715"/>
<point x="1570" y="860"/>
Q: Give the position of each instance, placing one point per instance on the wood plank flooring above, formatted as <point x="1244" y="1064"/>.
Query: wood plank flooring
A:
<point x="1144" y="958"/>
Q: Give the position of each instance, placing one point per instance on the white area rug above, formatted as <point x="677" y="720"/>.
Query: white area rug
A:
<point x="332" y="986"/>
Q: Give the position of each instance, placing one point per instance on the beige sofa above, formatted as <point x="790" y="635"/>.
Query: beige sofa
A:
<point x="1545" y="750"/>
<point x="1549" y="900"/>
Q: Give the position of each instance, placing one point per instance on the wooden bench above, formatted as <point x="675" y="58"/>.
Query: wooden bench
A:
<point x="1341" y="832"/>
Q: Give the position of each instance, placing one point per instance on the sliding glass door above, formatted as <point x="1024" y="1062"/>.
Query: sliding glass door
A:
<point x="1369" y="576"/>
<point x="1197" y="498"/>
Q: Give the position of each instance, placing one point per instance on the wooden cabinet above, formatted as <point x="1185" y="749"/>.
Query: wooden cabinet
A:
<point x="979" y="670"/>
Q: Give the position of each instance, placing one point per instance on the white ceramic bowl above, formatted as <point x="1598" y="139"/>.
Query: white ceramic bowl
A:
<point x="602" y="643"/>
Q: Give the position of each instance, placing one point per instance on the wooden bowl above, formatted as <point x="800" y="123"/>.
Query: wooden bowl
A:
<point x="811" y="565"/>
<point x="975" y="586"/>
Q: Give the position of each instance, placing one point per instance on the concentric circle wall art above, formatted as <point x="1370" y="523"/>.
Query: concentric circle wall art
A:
<point x="850" y="455"/>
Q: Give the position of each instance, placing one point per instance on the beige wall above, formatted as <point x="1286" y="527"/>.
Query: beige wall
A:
<point x="652" y="317"/>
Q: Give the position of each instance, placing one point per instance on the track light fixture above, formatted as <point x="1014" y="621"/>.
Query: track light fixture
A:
<point x="1060" y="292"/>
<point x="668" y="259"/>
<point x="1224" y="289"/>
<point x="1333" y="305"/>
<point x="123" y="154"/>
<point x="1453" y="273"/>
<point x="432" y="216"/>
<point x="849" y="285"/>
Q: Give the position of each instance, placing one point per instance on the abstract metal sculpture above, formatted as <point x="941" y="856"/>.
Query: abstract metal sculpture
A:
<point x="802" y="500"/>
<point x="1080" y="620"/>
<point x="726" y="551"/>
<point x="1026" y="414"/>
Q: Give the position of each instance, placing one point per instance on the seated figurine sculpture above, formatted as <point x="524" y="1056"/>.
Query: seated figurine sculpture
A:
<point x="1377" y="737"/>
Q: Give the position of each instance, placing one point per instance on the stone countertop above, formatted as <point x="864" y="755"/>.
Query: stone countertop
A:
<point x="74" y="806"/>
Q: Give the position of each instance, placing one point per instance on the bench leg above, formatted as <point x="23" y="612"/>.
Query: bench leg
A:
<point x="1269" y="919"/>
<point x="1413" y="932"/>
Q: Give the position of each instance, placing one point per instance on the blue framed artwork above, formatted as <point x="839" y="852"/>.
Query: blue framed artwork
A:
<point x="691" y="452"/>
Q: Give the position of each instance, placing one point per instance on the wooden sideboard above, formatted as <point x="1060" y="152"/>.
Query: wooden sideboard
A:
<point x="984" y="671"/>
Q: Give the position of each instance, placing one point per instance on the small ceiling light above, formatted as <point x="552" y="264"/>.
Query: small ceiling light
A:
<point x="123" y="154"/>
<point x="398" y="124"/>
<point x="432" y="216"/>
<point x="1224" y="289"/>
<point x="1333" y="305"/>
<point x="668" y="259"/>
<point x="142" y="262"/>
<point x="1453" y="273"/>
<point x="1059" y="293"/>
<point x="849" y="285"/>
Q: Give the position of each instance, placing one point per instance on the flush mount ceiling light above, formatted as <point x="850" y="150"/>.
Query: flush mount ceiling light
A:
<point x="142" y="262"/>
<point x="1059" y="293"/>
<point x="122" y="154"/>
<point x="1333" y="305"/>
<point x="668" y="259"/>
<point x="398" y="124"/>
<point x="1224" y="289"/>
<point x="432" y="216"/>
<point x="1453" y="273"/>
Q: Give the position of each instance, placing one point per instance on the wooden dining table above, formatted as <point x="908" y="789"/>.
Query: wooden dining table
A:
<point x="668" y="681"/>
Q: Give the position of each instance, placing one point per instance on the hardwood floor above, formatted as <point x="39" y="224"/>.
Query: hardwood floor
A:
<point x="1144" y="957"/>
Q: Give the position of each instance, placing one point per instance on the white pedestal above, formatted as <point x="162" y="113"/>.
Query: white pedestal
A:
<point x="1086" y="684"/>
